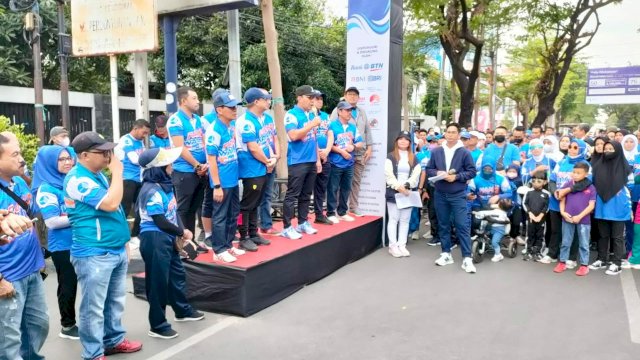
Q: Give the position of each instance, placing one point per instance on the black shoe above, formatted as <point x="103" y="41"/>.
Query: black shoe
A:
<point x="201" y="249"/>
<point x="195" y="316"/>
<point x="69" y="333"/>
<point x="259" y="240"/>
<point x="166" y="334"/>
<point x="321" y="219"/>
<point x="248" y="245"/>
<point x="434" y="242"/>
<point x="208" y="242"/>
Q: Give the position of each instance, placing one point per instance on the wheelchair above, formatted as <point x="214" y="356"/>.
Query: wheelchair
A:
<point x="481" y="238"/>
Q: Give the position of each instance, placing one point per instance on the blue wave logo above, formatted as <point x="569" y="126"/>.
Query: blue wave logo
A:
<point x="369" y="15"/>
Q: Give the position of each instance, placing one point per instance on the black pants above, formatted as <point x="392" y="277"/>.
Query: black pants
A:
<point x="611" y="236"/>
<point x="320" y="188"/>
<point x="67" y="287"/>
<point x="252" y="189"/>
<point x="535" y="234"/>
<point x="302" y="178"/>
<point x="164" y="280"/>
<point x="515" y="218"/>
<point x="189" y="195"/>
<point x="433" y="219"/>
<point x="131" y="189"/>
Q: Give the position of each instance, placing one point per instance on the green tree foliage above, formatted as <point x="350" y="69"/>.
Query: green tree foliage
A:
<point x="625" y="116"/>
<point x="430" y="100"/>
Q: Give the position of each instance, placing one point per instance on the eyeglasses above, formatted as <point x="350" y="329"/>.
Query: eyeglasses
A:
<point x="65" y="159"/>
<point x="575" y="147"/>
<point x="105" y="153"/>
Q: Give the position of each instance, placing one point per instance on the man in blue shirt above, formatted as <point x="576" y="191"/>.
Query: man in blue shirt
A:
<point x="99" y="251"/>
<point x="264" y="210"/>
<point x="303" y="160"/>
<point x="504" y="153"/>
<point x="128" y="150"/>
<point x="254" y="157"/>
<point x="24" y="323"/>
<point x="223" y="176"/>
<point x="160" y="137"/>
<point x="324" y="146"/>
<point x="189" y="175"/>
<point x="346" y="140"/>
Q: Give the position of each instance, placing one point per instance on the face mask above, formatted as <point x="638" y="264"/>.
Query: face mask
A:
<point x="499" y="138"/>
<point x="548" y="148"/>
<point x="512" y="175"/>
<point x="517" y="141"/>
<point x="609" y="155"/>
<point x="65" y="142"/>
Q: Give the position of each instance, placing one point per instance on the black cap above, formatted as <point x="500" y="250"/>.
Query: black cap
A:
<point x="352" y="88"/>
<point x="404" y="134"/>
<point x="91" y="140"/>
<point x="342" y="105"/>
<point x="305" y="90"/>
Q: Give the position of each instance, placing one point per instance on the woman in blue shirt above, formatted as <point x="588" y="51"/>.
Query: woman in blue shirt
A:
<point x="630" y="149"/>
<point x="52" y="163"/>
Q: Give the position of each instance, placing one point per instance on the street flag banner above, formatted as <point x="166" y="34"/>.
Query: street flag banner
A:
<point x="614" y="86"/>
<point x="368" y="39"/>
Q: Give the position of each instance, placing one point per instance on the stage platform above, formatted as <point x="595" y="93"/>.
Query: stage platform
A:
<point x="260" y="279"/>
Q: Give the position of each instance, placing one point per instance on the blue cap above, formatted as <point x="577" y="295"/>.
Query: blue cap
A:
<point x="343" y="105"/>
<point x="431" y="137"/>
<point x="465" y="135"/>
<point x="438" y="137"/>
<point x="224" y="98"/>
<point x="254" y="94"/>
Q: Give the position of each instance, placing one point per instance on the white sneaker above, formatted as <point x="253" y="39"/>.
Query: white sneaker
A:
<point x="497" y="258"/>
<point x="571" y="264"/>
<point x="467" y="265"/>
<point x="225" y="257"/>
<point x="635" y="266"/>
<point x="444" y="259"/>
<point x="357" y="213"/>
<point x="415" y="235"/>
<point x="334" y="219"/>
<point x="291" y="233"/>
<point x="306" y="228"/>
<point x="236" y="252"/>
<point x="395" y="252"/>
<point x="427" y="235"/>
<point x="427" y="223"/>
<point x="404" y="251"/>
<point x="625" y="264"/>
<point x="613" y="270"/>
<point x="597" y="265"/>
<point x="521" y="240"/>
<point x="347" y="217"/>
<point x="547" y="260"/>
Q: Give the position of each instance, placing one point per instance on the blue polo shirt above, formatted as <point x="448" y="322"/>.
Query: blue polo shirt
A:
<point x="269" y="132"/>
<point x="155" y="201"/>
<point x="192" y="131"/>
<point x="511" y="154"/>
<point x="51" y="202"/>
<point x="22" y="256"/>
<point x="221" y="143"/>
<point x="158" y="142"/>
<point x="249" y="129"/>
<point x="323" y="129"/>
<point x="343" y="135"/>
<point x="94" y="232"/>
<point x="128" y="151"/>
<point x="305" y="150"/>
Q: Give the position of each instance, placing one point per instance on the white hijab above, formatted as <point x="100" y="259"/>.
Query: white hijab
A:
<point x="630" y="155"/>
<point x="554" y="152"/>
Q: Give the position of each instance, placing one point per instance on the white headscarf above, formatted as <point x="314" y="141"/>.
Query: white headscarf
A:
<point x="630" y="155"/>
<point x="552" y="151"/>
<point x="535" y="142"/>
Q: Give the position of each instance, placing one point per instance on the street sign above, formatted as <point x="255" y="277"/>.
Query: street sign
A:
<point x="614" y="85"/>
<point x="200" y="7"/>
<point x="113" y="26"/>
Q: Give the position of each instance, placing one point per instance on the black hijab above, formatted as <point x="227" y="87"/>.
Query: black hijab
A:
<point x="610" y="172"/>
<point x="596" y="156"/>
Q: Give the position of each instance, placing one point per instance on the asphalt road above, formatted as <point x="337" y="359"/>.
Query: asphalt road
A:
<point x="408" y="308"/>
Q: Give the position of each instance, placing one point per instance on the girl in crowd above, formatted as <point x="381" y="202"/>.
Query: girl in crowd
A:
<point x="613" y="206"/>
<point x="630" y="148"/>
<point x="540" y="160"/>
<point x="563" y="144"/>
<point x="52" y="163"/>
<point x="402" y="173"/>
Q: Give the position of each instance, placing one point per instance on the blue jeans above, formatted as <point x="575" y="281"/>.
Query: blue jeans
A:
<point x="102" y="283"/>
<point x="497" y="233"/>
<point x="264" y="209"/>
<point x="584" y="233"/>
<point x="453" y="207"/>
<point x="24" y="321"/>
<point x="225" y="220"/>
<point x="339" y="180"/>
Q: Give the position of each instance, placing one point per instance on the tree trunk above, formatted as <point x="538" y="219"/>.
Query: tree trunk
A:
<point x="466" y="109"/>
<point x="453" y="101"/>
<point x="545" y="109"/>
<point x="273" y="61"/>
<point x="405" y="103"/>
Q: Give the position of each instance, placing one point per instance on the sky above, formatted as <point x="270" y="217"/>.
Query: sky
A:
<point x="617" y="42"/>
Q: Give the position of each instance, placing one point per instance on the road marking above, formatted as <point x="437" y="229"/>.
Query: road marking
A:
<point x="194" y="339"/>
<point x="632" y="302"/>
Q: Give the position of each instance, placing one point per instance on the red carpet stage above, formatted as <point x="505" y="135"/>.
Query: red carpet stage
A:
<point x="260" y="279"/>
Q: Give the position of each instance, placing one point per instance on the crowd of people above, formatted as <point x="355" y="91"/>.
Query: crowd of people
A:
<point x="564" y="196"/>
<point x="218" y="168"/>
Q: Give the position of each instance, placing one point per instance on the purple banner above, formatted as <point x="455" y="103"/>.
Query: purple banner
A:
<point x="614" y="85"/>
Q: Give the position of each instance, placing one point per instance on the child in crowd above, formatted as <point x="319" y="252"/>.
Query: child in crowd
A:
<point x="577" y="201"/>
<point x="516" y="216"/>
<point x="536" y="204"/>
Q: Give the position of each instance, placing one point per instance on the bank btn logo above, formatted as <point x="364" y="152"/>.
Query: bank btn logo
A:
<point x="79" y="188"/>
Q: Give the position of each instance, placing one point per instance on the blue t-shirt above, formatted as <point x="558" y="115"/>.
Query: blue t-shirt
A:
<point x="561" y="175"/>
<point x="51" y="202"/>
<point x="323" y="129"/>
<point x="269" y="132"/>
<point x="343" y="135"/>
<point x="249" y="129"/>
<point x="618" y="208"/>
<point x="511" y="154"/>
<point x="158" y="142"/>
<point x="154" y="201"/>
<point x="423" y="156"/>
<point x="484" y="189"/>
<point x="221" y="143"/>
<point x="192" y="131"/>
<point x="128" y="151"/>
<point x="22" y="256"/>
<point x="94" y="232"/>
<point x="305" y="150"/>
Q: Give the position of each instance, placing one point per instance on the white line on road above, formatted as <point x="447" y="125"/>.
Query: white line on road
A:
<point x="194" y="339"/>
<point x="632" y="301"/>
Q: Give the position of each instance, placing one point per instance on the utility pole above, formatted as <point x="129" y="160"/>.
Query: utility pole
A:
<point x="492" y="95"/>
<point x="141" y="85"/>
<point x="64" y="49"/>
<point x="32" y="23"/>
<point x="115" y="110"/>
<point x="441" y="87"/>
<point x="233" y="26"/>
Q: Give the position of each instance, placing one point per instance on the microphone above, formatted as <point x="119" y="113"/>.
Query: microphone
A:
<point x="452" y="172"/>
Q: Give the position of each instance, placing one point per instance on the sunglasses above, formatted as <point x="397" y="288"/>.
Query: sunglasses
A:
<point x="536" y="147"/>
<point x="232" y="107"/>
<point x="575" y="147"/>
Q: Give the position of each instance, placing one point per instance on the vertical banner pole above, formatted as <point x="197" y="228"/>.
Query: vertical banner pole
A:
<point x="115" y="112"/>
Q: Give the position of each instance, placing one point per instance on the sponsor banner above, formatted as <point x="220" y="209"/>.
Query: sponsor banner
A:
<point x="614" y="85"/>
<point x="368" y="40"/>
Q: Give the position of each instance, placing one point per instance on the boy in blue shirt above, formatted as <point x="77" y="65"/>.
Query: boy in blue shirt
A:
<point x="160" y="137"/>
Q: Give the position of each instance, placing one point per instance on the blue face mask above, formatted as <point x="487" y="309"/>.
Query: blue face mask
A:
<point x="487" y="175"/>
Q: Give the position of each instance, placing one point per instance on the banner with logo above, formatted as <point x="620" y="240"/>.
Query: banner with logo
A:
<point x="368" y="70"/>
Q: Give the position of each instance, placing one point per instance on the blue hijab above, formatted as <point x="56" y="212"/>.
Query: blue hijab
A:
<point x="156" y="175"/>
<point x="45" y="170"/>
<point x="582" y="151"/>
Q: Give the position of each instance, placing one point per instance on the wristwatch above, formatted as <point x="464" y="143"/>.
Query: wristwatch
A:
<point x="197" y="167"/>
<point x="217" y="186"/>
